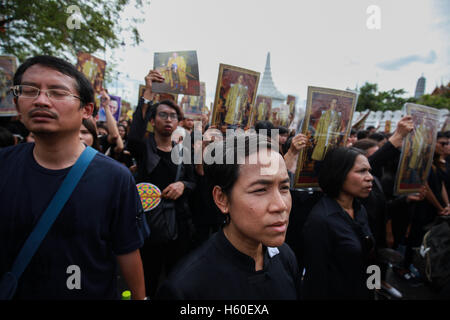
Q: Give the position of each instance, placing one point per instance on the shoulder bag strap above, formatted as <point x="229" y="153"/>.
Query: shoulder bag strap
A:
<point x="51" y="213"/>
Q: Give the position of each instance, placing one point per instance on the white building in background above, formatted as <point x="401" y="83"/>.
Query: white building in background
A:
<point x="379" y="118"/>
<point x="267" y="87"/>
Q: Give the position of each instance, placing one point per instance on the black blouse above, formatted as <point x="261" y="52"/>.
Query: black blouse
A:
<point x="218" y="271"/>
<point x="336" y="251"/>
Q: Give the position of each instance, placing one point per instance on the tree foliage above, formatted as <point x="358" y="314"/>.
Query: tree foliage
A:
<point x="31" y="27"/>
<point x="372" y="99"/>
<point x="438" y="101"/>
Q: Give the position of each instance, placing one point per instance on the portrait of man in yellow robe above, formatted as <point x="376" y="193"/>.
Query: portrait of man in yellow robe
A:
<point x="262" y="110"/>
<point x="177" y="71"/>
<point x="90" y="69"/>
<point x="327" y="131"/>
<point x="417" y="147"/>
<point x="235" y="102"/>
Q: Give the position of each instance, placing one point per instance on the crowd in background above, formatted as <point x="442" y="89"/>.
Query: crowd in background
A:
<point x="393" y="221"/>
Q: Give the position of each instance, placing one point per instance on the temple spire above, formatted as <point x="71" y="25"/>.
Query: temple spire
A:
<point x="267" y="87"/>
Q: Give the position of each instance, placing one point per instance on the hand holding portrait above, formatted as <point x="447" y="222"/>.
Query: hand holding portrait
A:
<point x="298" y="142"/>
<point x="405" y="126"/>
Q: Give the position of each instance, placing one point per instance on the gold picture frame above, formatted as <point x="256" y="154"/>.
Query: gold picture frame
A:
<point x="235" y="96"/>
<point x="327" y="123"/>
<point x="417" y="150"/>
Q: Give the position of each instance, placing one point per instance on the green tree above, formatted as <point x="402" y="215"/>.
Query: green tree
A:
<point x="438" y="101"/>
<point x="372" y="99"/>
<point x="368" y="98"/>
<point x="31" y="27"/>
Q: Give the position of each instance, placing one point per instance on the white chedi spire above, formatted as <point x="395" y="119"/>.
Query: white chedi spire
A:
<point x="267" y="87"/>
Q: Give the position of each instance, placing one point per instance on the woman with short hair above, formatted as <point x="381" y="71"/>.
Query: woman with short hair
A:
<point x="337" y="238"/>
<point x="247" y="259"/>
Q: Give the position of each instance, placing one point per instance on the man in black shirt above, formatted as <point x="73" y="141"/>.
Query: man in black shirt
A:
<point x="155" y="165"/>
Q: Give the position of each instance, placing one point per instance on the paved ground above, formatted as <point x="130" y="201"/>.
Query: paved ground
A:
<point x="420" y="292"/>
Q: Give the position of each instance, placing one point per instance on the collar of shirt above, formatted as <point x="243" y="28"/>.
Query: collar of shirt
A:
<point x="332" y="207"/>
<point x="242" y="260"/>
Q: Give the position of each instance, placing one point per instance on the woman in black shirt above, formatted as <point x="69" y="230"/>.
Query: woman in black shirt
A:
<point x="247" y="259"/>
<point x="337" y="237"/>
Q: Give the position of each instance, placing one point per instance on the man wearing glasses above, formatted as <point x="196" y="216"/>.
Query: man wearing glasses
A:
<point x="153" y="154"/>
<point x="96" y="228"/>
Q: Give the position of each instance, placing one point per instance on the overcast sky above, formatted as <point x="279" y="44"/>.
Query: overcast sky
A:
<point x="322" y="43"/>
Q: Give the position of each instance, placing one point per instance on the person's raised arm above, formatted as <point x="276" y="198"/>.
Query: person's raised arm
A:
<point x="111" y="123"/>
<point x="404" y="127"/>
<point x="391" y="148"/>
<point x="291" y="157"/>
<point x="152" y="76"/>
<point x="141" y="115"/>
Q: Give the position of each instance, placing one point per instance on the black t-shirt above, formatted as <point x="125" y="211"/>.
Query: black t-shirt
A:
<point x="97" y="223"/>
<point x="218" y="271"/>
<point x="164" y="172"/>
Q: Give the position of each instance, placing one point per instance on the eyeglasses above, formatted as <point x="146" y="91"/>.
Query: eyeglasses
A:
<point x="25" y="91"/>
<point x="443" y="143"/>
<point x="165" y="115"/>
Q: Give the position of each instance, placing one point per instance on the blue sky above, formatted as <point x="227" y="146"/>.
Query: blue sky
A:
<point x="322" y="43"/>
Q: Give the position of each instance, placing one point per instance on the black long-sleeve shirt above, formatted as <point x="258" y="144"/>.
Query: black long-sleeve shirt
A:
<point x="155" y="166"/>
<point x="335" y="252"/>
<point x="218" y="271"/>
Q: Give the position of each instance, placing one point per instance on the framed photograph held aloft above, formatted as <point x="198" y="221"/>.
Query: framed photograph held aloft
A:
<point x="93" y="68"/>
<point x="8" y="66"/>
<point x="235" y="96"/>
<point x="180" y="72"/>
<point x="263" y="107"/>
<point x="327" y="123"/>
<point x="417" y="150"/>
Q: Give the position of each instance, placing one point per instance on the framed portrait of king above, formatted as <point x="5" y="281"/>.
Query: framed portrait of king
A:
<point x="8" y="66"/>
<point x="235" y="97"/>
<point x="327" y="123"/>
<point x="93" y="68"/>
<point x="180" y="72"/>
<point x="115" y="105"/>
<point x="263" y="107"/>
<point x="192" y="105"/>
<point x="417" y="150"/>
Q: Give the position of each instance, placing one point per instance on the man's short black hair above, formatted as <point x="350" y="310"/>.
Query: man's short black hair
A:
<point x="362" y="134"/>
<point x="283" y="130"/>
<point x="264" y="124"/>
<point x="169" y="103"/>
<point x="334" y="169"/>
<point x="6" y="138"/>
<point x="365" y="144"/>
<point x="377" y="136"/>
<point x="83" y="86"/>
<point x="441" y="134"/>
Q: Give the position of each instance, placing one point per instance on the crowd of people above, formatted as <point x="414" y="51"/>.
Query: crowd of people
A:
<point x="243" y="230"/>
